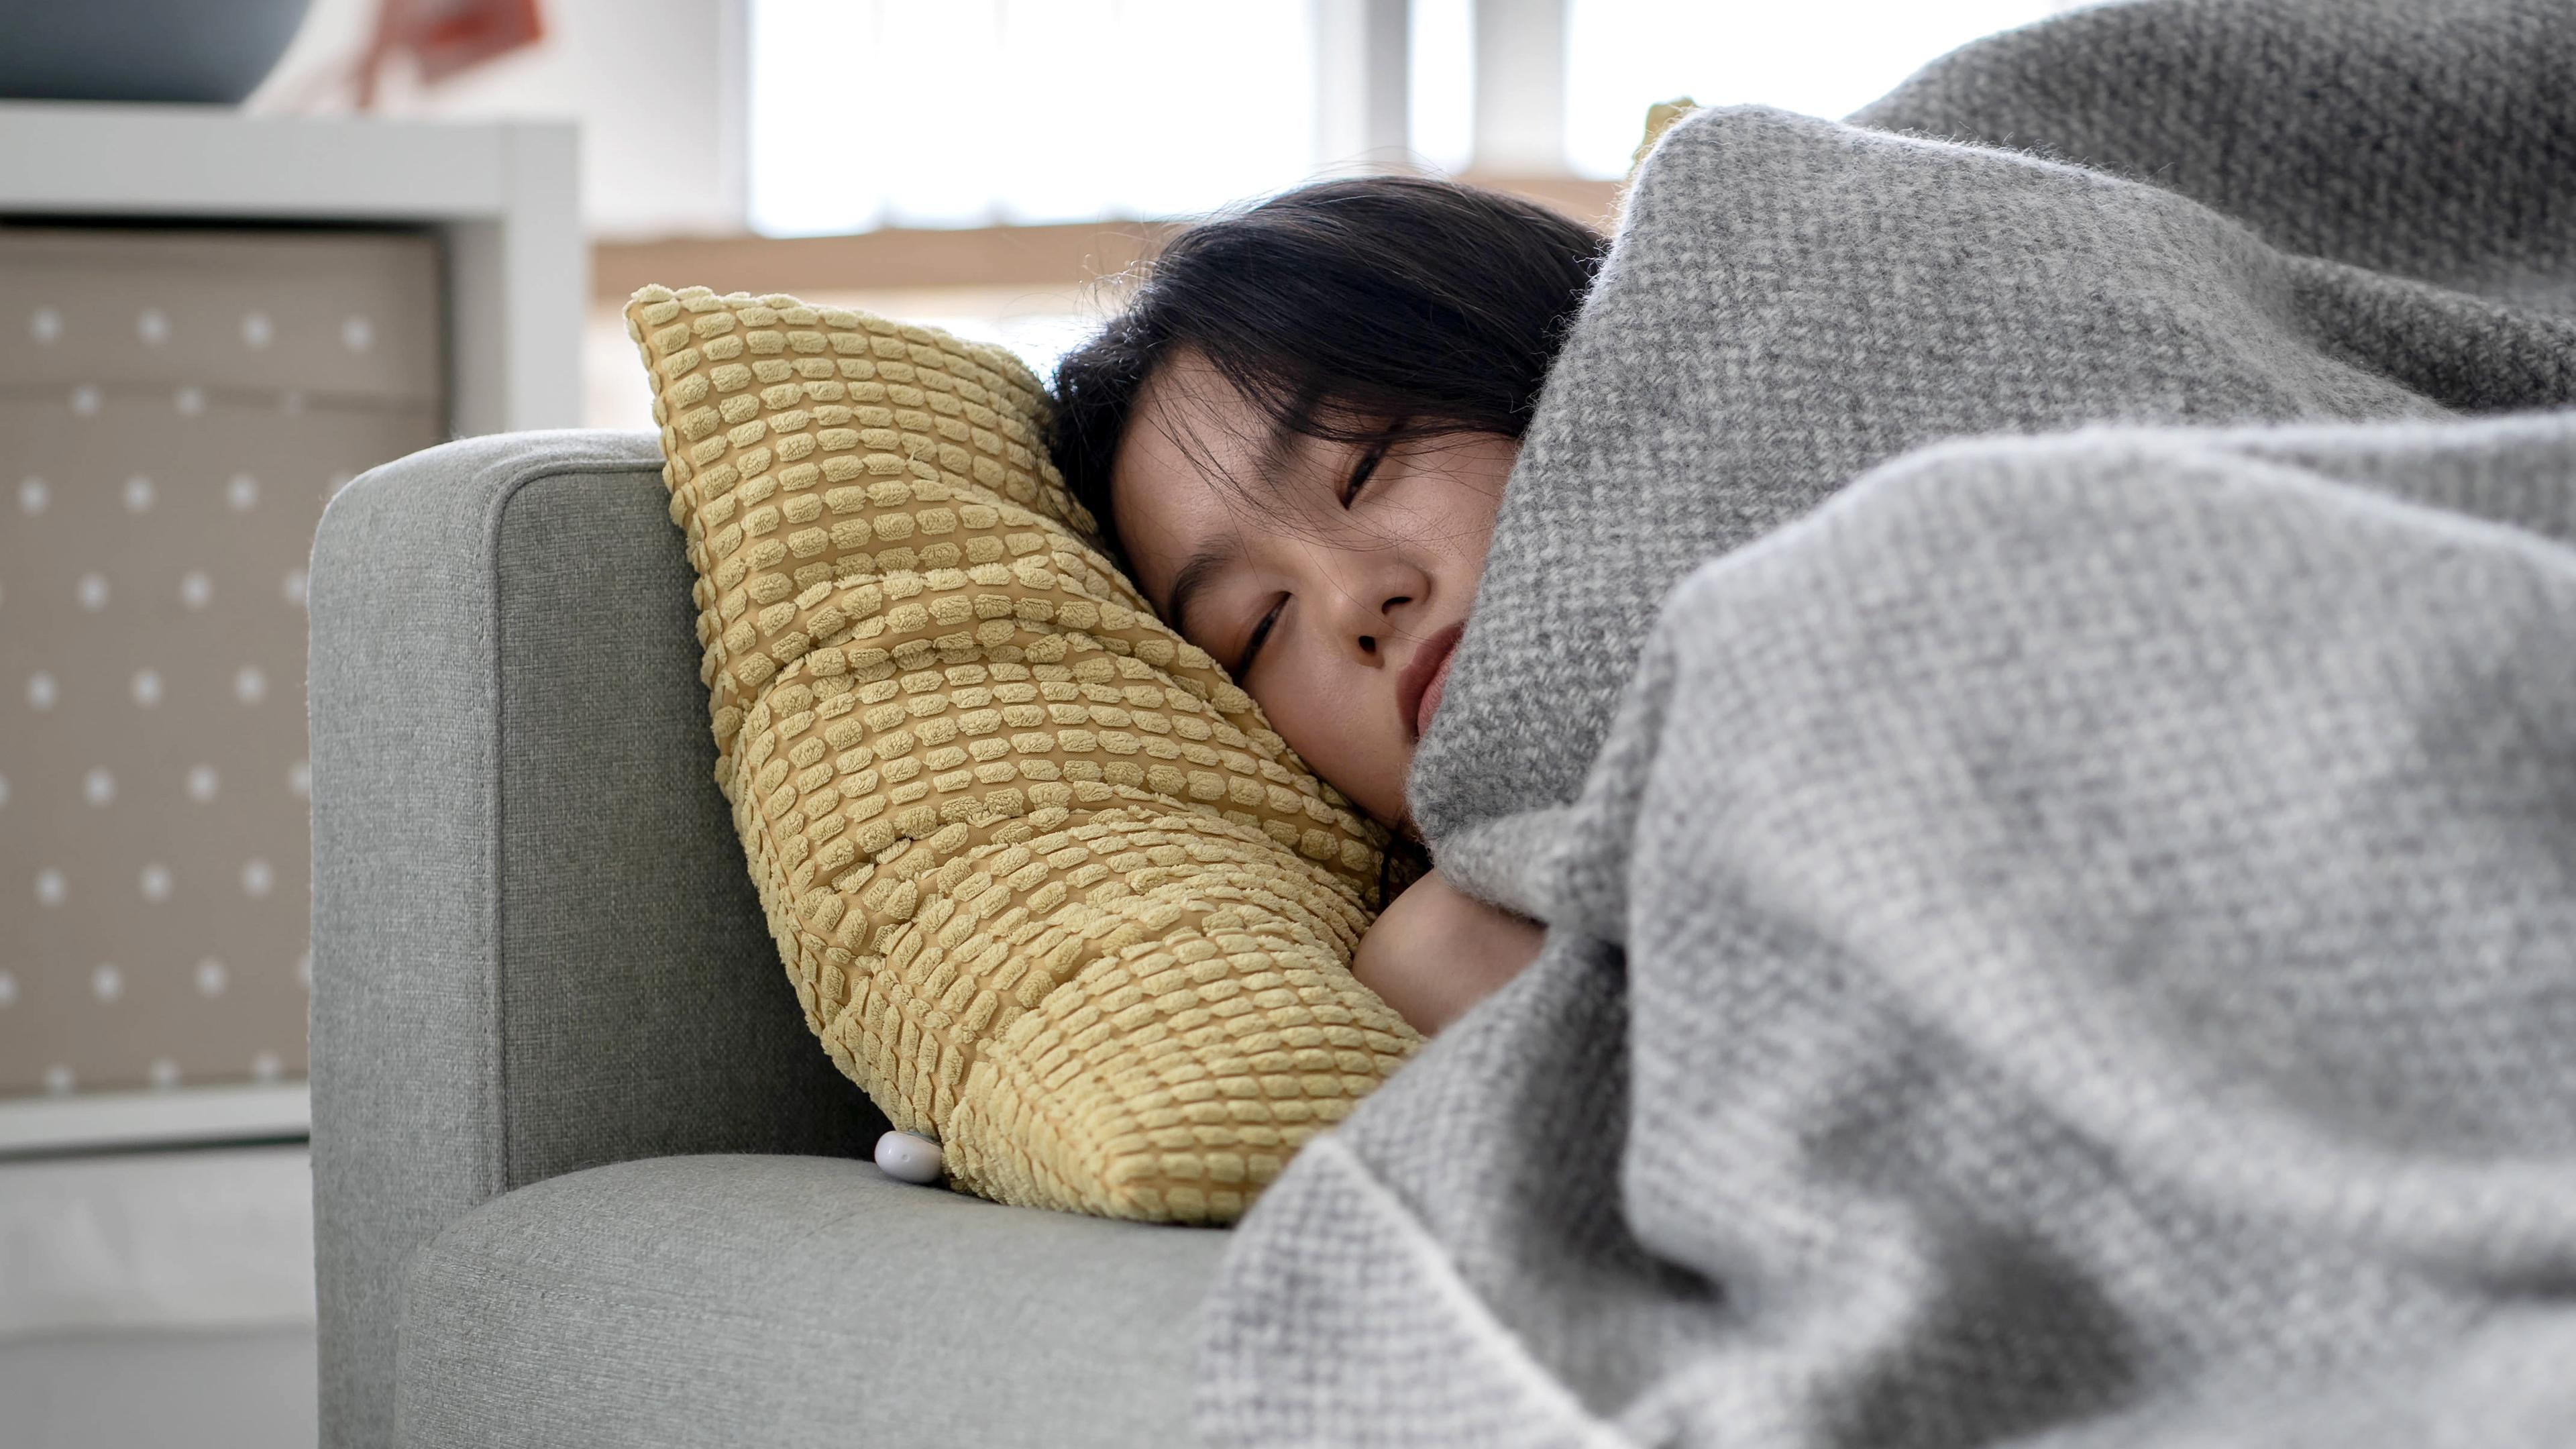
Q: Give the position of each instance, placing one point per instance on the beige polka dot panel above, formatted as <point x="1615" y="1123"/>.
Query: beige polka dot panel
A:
<point x="1047" y="884"/>
<point x="175" y="407"/>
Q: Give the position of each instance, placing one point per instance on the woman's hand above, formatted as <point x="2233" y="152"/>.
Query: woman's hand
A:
<point x="1435" y="952"/>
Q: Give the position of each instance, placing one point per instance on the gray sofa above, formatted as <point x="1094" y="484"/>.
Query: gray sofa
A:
<point x="581" y="1174"/>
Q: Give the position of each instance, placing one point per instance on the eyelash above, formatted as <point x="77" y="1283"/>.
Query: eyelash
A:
<point x="1360" y="477"/>
<point x="1260" y="632"/>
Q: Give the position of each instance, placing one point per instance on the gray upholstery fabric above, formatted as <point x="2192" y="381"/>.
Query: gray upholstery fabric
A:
<point x="2056" y="940"/>
<point x="535" y="945"/>
<point x="790" y="1302"/>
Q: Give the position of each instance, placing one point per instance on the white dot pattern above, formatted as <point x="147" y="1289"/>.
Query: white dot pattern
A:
<point x="183" y="398"/>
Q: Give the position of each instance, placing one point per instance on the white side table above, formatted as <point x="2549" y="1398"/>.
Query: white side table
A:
<point x="152" y="1296"/>
<point x="504" y="199"/>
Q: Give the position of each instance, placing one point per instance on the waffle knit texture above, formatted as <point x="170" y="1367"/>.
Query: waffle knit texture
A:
<point x="2025" y="664"/>
<point x="1046" y="883"/>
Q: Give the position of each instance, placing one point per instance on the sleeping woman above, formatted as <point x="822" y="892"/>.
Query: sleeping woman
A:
<point x="1297" y="435"/>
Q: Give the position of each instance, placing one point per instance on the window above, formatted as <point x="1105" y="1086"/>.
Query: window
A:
<point x="870" y="113"/>
<point x="1440" y="86"/>
<point x="1821" y="57"/>
<point x="874" y="113"/>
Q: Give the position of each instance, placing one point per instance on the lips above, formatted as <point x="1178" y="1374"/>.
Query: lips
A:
<point x="1417" y="690"/>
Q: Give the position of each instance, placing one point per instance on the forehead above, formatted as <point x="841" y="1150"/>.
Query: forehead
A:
<point x="1196" y="454"/>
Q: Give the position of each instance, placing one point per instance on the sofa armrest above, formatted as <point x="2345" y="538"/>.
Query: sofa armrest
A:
<point x="535" y="945"/>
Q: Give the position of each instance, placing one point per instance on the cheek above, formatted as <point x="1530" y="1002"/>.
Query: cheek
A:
<point x="1334" y="721"/>
<point x="1451" y="517"/>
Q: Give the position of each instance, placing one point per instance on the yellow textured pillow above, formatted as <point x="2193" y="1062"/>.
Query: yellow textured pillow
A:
<point x="1047" y="884"/>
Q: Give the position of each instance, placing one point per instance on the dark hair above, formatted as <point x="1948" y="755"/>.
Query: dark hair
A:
<point x="1392" y="307"/>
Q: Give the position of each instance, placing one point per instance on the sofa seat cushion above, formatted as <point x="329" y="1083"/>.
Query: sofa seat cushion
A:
<point x="772" y="1300"/>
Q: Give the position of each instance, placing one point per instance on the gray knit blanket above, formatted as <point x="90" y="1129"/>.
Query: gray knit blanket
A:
<point x="2029" y="666"/>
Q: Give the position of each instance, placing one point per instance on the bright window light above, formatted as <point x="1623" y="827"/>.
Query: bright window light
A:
<point x="1823" y="57"/>
<point x="1441" y="88"/>
<point x="871" y="113"/>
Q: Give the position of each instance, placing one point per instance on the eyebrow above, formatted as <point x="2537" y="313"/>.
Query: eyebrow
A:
<point x="1195" y="576"/>
<point x="1277" y="449"/>
<point x="1276" y="452"/>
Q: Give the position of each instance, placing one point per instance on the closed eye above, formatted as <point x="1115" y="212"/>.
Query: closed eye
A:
<point x="1260" y="632"/>
<point x="1360" y="475"/>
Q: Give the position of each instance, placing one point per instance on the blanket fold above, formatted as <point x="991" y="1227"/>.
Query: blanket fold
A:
<point x="2039" y="707"/>
<point x="1791" y="302"/>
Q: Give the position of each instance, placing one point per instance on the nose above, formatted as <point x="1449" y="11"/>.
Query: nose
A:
<point x="1378" y="594"/>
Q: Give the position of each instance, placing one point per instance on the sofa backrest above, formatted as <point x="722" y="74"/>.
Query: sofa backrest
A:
<point x="536" y="948"/>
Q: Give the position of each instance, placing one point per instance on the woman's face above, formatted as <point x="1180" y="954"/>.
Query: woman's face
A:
<point x="1333" y="585"/>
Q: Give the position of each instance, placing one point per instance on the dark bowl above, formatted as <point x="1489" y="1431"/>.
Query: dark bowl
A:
<point x="142" y="50"/>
